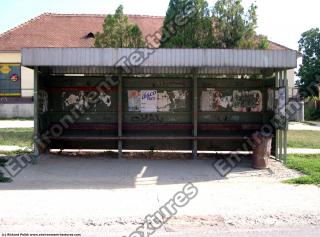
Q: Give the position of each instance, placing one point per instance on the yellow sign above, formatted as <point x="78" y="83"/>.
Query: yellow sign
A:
<point x="5" y="69"/>
<point x="10" y="94"/>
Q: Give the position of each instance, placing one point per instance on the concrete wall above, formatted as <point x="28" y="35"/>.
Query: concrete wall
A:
<point x="290" y="76"/>
<point x="296" y="113"/>
<point x="16" y="110"/>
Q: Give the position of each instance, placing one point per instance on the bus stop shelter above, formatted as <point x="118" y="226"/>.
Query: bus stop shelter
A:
<point x="159" y="99"/>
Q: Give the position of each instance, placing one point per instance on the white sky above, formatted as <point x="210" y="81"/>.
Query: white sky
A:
<point x="282" y="21"/>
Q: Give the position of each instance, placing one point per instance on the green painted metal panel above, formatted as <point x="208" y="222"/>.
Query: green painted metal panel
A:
<point x="219" y="101"/>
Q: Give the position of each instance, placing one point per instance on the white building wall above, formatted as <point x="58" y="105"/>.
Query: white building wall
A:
<point x="291" y="83"/>
<point x="27" y="79"/>
<point x="10" y="57"/>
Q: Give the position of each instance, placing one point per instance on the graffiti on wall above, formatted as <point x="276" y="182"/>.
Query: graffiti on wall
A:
<point x="247" y="101"/>
<point x="271" y="100"/>
<point x="147" y="118"/>
<point x="214" y="100"/>
<point x="81" y="100"/>
<point x="164" y="101"/>
<point x="231" y="100"/>
<point x="133" y="101"/>
<point x="106" y="99"/>
<point x="282" y="101"/>
<point x="43" y="101"/>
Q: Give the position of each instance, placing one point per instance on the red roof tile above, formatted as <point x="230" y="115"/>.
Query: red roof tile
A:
<point x="66" y="30"/>
<point x="70" y="30"/>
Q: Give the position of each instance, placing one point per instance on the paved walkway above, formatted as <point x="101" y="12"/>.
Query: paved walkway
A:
<point x="304" y="126"/>
<point x="303" y="151"/>
<point x="16" y="123"/>
<point x="13" y="148"/>
<point x="86" y="194"/>
<point x="314" y="123"/>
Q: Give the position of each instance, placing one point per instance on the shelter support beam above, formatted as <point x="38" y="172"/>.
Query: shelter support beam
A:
<point x="281" y="132"/>
<point x="120" y="112"/>
<point x="36" y="116"/>
<point x="287" y="112"/>
<point x="195" y="114"/>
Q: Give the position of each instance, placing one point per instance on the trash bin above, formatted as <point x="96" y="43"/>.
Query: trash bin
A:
<point x="261" y="151"/>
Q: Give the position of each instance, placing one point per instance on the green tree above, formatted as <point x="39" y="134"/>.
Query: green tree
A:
<point x="309" y="72"/>
<point x="119" y="33"/>
<point x="195" y="31"/>
<point x="234" y="27"/>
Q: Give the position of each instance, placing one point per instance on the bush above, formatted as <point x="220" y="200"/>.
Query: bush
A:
<point x="312" y="108"/>
<point x="311" y="114"/>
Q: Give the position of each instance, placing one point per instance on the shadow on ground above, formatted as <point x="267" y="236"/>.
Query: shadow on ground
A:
<point x="93" y="172"/>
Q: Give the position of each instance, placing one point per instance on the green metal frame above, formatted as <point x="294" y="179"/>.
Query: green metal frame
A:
<point x="195" y="114"/>
<point x="281" y="133"/>
<point x="197" y="140"/>
<point x="36" y="116"/>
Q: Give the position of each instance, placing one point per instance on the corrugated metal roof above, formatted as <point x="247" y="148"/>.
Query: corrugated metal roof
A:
<point x="160" y="60"/>
<point x="92" y="70"/>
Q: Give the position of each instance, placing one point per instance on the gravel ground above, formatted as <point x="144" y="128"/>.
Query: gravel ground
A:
<point x="95" y="195"/>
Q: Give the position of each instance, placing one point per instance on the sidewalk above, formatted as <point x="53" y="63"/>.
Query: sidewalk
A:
<point x="313" y="123"/>
<point x="304" y="151"/>
<point x="13" y="148"/>
<point x="311" y="126"/>
<point x="16" y="123"/>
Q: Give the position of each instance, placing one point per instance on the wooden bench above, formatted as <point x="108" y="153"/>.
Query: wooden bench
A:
<point x="232" y="128"/>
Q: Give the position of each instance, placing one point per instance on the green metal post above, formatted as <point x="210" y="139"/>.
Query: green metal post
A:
<point x="36" y="119"/>
<point x="277" y="113"/>
<point x="281" y="129"/>
<point x="287" y="125"/>
<point x="120" y="115"/>
<point x="195" y="115"/>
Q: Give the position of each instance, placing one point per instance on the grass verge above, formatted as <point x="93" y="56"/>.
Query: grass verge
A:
<point x="304" y="139"/>
<point x="308" y="165"/>
<point x="16" y="137"/>
<point x="15" y="153"/>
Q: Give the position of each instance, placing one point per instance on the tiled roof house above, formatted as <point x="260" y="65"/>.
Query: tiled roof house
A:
<point x="56" y="30"/>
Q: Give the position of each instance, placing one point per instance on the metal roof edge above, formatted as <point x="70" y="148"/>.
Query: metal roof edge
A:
<point x="145" y="57"/>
